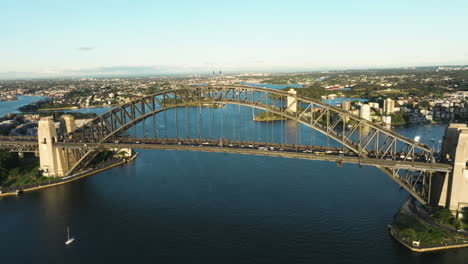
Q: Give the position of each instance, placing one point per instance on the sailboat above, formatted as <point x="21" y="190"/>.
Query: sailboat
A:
<point x="69" y="239"/>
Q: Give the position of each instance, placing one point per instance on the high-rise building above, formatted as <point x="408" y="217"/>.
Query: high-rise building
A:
<point x="364" y="112"/>
<point x="389" y="106"/>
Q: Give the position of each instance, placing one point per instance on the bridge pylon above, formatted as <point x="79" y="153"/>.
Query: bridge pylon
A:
<point x="291" y="101"/>
<point x="71" y="155"/>
<point x="454" y="193"/>
<point x="69" y="123"/>
<point x="52" y="159"/>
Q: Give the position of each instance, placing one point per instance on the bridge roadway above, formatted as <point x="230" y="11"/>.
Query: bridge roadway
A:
<point x="332" y="154"/>
<point x="19" y="143"/>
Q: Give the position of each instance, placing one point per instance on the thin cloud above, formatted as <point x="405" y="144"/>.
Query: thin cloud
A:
<point x="85" y="48"/>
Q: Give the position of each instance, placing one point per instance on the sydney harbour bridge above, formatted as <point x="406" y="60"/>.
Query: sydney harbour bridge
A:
<point x="178" y="119"/>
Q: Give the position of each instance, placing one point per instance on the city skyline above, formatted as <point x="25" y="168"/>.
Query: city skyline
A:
<point x="63" y="39"/>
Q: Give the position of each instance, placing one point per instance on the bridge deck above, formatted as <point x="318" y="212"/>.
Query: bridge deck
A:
<point x="285" y="151"/>
<point x="332" y="154"/>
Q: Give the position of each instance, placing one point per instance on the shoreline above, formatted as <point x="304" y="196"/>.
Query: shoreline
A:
<point x="59" y="108"/>
<point x="74" y="107"/>
<point x="71" y="178"/>
<point x="9" y="100"/>
<point x="413" y="216"/>
<point x="269" y="119"/>
<point x="422" y="250"/>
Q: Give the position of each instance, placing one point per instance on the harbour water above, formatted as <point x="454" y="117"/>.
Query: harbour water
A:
<point x="335" y="101"/>
<point x="12" y="106"/>
<point x="340" y="100"/>
<point x="96" y="110"/>
<point x="188" y="207"/>
<point x="273" y="86"/>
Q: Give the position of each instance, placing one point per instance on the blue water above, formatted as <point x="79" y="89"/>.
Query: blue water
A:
<point x="335" y="101"/>
<point x="340" y="100"/>
<point x="12" y="106"/>
<point x="182" y="207"/>
<point x="188" y="207"/>
<point x="273" y="86"/>
<point x="97" y="110"/>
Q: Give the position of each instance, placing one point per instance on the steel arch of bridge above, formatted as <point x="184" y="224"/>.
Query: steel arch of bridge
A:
<point x="317" y="115"/>
<point x="379" y="142"/>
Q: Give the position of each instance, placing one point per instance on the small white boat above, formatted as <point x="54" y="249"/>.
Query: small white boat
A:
<point x="69" y="239"/>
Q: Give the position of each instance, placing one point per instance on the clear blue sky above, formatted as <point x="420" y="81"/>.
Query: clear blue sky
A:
<point x="73" y="37"/>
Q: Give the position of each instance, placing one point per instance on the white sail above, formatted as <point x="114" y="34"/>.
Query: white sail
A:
<point x="69" y="239"/>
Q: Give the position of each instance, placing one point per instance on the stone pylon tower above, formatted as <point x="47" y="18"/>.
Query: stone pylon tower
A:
<point x="71" y="155"/>
<point x="291" y="101"/>
<point x="455" y="149"/>
<point x="69" y="123"/>
<point x="52" y="159"/>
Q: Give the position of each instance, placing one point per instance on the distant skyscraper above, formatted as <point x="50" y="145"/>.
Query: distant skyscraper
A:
<point x="389" y="106"/>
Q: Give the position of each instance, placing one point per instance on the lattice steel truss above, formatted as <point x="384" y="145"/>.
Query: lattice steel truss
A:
<point x="13" y="146"/>
<point x="352" y="132"/>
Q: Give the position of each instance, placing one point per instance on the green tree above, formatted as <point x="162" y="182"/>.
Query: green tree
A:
<point x="7" y="161"/>
<point x="443" y="215"/>
<point x="465" y="215"/>
<point x="398" y="118"/>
